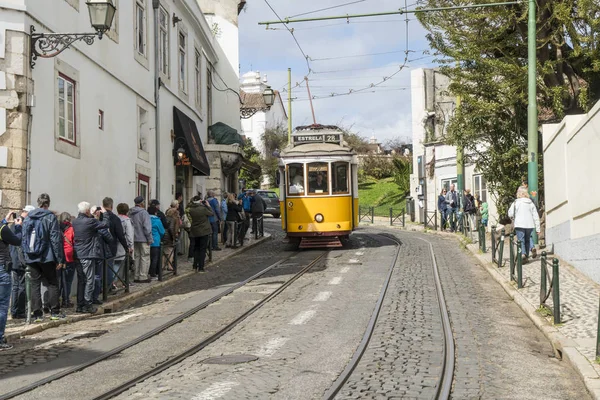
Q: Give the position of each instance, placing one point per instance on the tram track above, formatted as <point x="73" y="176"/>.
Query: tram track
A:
<point x="444" y="385"/>
<point x="172" y="322"/>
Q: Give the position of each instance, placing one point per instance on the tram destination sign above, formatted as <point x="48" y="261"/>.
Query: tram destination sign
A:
<point x="335" y="138"/>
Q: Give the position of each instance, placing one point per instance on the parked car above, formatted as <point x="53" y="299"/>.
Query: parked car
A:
<point x="272" y="201"/>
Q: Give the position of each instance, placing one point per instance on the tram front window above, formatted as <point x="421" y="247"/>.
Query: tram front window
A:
<point x="340" y="177"/>
<point x="296" y="179"/>
<point x="317" y="178"/>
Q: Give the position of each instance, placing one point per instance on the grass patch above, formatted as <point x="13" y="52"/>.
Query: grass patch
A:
<point x="382" y="193"/>
<point x="544" y="311"/>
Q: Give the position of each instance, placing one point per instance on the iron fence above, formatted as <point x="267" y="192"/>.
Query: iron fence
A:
<point x="516" y="261"/>
<point x="554" y="288"/>
<point x="431" y="220"/>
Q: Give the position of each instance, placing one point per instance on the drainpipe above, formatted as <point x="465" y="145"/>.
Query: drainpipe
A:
<point x="155" y="6"/>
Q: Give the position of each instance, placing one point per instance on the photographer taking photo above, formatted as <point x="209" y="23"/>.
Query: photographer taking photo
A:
<point x="198" y="212"/>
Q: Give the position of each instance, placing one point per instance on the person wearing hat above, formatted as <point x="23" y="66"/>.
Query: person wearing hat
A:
<point x="142" y="239"/>
<point x="159" y="213"/>
<point x="18" y="298"/>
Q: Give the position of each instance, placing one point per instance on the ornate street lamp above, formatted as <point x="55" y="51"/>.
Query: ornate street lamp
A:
<point x="48" y="45"/>
<point x="268" y="98"/>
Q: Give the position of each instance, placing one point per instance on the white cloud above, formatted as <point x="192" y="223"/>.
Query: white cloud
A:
<point x="385" y="113"/>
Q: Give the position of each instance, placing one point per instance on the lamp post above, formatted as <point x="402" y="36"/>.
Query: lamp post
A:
<point x="48" y="45"/>
<point x="268" y="96"/>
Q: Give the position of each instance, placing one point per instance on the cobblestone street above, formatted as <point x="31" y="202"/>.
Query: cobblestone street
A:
<point x="297" y="344"/>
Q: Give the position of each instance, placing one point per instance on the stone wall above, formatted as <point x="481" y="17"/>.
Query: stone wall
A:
<point x="16" y="89"/>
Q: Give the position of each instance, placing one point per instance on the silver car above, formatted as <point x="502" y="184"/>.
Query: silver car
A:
<point x="272" y="201"/>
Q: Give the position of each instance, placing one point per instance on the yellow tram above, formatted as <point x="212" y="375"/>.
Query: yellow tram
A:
<point x="318" y="187"/>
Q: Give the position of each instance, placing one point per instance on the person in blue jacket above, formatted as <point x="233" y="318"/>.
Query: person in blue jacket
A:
<point x="158" y="231"/>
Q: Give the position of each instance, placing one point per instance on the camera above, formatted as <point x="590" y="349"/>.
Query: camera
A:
<point x="14" y="215"/>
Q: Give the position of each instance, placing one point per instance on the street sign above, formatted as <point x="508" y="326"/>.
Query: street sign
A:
<point x="335" y="138"/>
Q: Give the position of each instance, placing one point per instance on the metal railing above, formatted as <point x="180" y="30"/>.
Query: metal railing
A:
<point x="516" y="261"/>
<point x="398" y="216"/>
<point x="554" y="288"/>
<point x="431" y="220"/>
<point x="481" y="231"/>
<point x="366" y="214"/>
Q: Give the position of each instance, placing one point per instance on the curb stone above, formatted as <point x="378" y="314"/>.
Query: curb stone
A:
<point x="564" y="347"/>
<point x="122" y="302"/>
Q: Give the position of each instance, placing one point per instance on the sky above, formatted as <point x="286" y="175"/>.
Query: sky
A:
<point x="332" y="47"/>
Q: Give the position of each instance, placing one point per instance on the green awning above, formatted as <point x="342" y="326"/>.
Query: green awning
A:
<point x="224" y="134"/>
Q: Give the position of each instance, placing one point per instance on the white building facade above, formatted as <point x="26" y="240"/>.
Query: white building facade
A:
<point x="84" y="124"/>
<point x="252" y="88"/>
<point x="434" y="162"/>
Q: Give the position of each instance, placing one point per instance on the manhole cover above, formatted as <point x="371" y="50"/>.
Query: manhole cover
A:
<point x="232" y="359"/>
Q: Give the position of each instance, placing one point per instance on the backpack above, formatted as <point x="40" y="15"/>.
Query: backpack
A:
<point x="34" y="238"/>
<point x="186" y="222"/>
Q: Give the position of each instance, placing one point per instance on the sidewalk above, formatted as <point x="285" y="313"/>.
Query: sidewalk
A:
<point x="575" y="338"/>
<point x="19" y="328"/>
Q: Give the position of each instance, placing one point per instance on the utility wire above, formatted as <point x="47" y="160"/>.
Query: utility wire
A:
<point x="293" y="36"/>
<point x="328" y="8"/>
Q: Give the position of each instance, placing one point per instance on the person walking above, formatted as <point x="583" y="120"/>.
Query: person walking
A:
<point x="91" y="235"/>
<point x="142" y="237"/>
<point x="44" y="254"/>
<point x="215" y="219"/>
<point x="122" y="253"/>
<point x="258" y="208"/>
<point x="452" y="207"/>
<point x="442" y="208"/>
<point x="525" y="219"/>
<point x="246" y="204"/>
<point x="116" y="230"/>
<point x="198" y="213"/>
<point x="158" y="231"/>
<point x="8" y="237"/>
<point x="234" y="208"/>
<point x="67" y="274"/>
<point x="18" y="299"/>
<point x="171" y="235"/>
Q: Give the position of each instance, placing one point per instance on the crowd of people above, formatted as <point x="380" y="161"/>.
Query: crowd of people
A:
<point x="523" y="216"/>
<point x="474" y="210"/>
<point x="54" y="247"/>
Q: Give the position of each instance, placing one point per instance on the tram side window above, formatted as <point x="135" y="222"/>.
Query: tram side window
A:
<point x="340" y="177"/>
<point x="296" y="179"/>
<point x="318" y="178"/>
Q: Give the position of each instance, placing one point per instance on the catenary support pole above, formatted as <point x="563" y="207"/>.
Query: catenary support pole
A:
<point x="460" y="167"/>
<point x="532" y="113"/>
<point x="289" y="105"/>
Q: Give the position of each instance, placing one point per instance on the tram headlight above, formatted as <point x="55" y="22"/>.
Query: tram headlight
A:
<point x="319" y="218"/>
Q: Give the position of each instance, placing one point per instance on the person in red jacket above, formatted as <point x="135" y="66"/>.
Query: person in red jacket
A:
<point x="66" y="275"/>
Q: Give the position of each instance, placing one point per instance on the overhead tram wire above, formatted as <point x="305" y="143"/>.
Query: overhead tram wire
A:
<point x="293" y="36"/>
<point x="328" y="8"/>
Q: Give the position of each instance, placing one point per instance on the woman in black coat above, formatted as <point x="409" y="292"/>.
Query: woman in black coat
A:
<point x="234" y="208"/>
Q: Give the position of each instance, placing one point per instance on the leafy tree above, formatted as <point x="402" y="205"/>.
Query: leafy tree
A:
<point x="274" y="138"/>
<point x="355" y="141"/>
<point x="484" y="52"/>
<point x="251" y="176"/>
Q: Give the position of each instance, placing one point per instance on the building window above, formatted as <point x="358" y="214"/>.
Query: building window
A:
<point x="143" y="130"/>
<point x="182" y="62"/>
<point x="209" y="95"/>
<point x="144" y="187"/>
<point x="66" y="109"/>
<point x="198" y="69"/>
<point x="447" y="182"/>
<point x="101" y="120"/>
<point x="163" y="41"/>
<point x="480" y="187"/>
<point x="140" y="27"/>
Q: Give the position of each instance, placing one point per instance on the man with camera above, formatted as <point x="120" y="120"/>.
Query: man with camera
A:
<point x="7" y="238"/>
<point x="198" y="212"/>
<point x="18" y="299"/>
<point x="452" y="202"/>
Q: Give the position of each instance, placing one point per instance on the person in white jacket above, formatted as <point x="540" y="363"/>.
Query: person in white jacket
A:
<point x="525" y="219"/>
